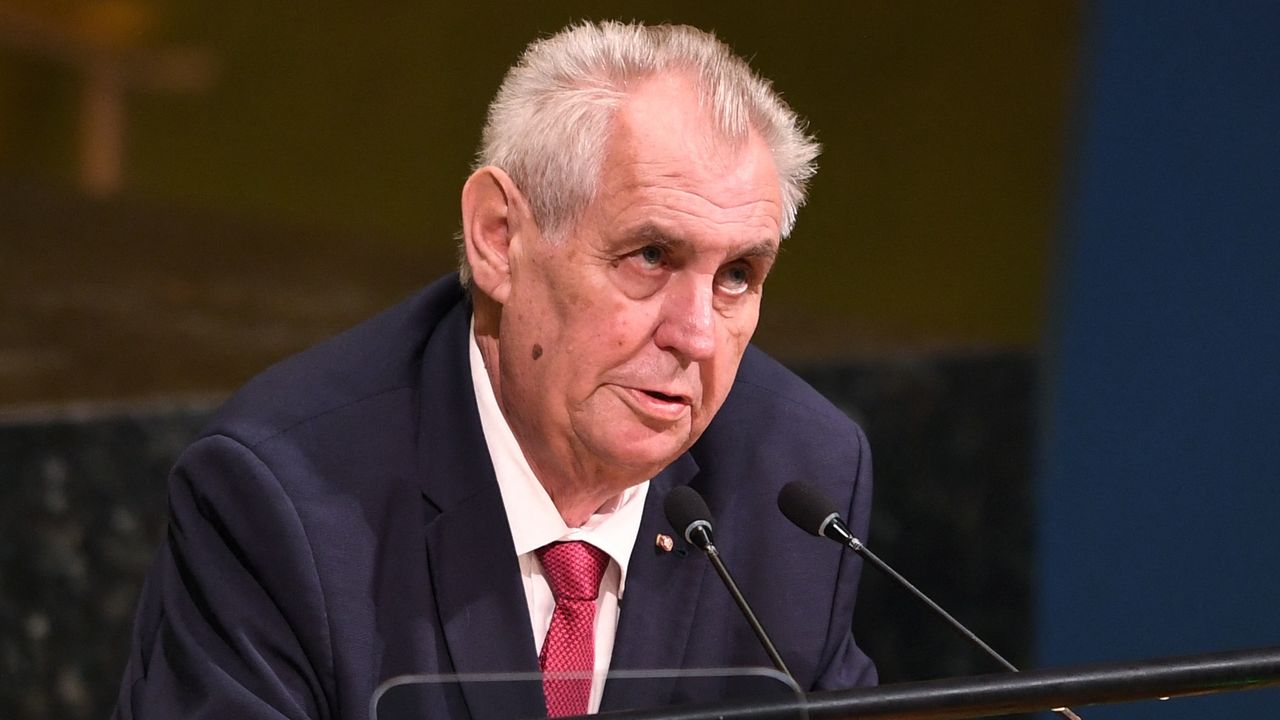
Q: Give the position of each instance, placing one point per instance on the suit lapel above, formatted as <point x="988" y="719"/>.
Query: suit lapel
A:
<point x="482" y="608"/>
<point x="657" y="603"/>
<point x="474" y="572"/>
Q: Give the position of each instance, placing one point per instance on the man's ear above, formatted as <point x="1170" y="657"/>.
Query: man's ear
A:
<point x="495" y="217"/>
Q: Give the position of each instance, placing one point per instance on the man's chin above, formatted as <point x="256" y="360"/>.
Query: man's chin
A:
<point x="646" y="453"/>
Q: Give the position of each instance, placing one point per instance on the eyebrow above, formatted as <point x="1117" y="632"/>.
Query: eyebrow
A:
<point x="764" y="250"/>
<point x="654" y="235"/>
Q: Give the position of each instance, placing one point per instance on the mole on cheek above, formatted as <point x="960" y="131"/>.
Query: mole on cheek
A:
<point x="537" y="351"/>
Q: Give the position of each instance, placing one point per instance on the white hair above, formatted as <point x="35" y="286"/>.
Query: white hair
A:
<point x="548" y="125"/>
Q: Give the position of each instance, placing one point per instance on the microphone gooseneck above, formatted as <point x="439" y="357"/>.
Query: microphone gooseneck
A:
<point x="812" y="511"/>
<point x="689" y="515"/>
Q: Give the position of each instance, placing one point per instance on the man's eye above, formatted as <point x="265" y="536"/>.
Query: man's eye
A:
<point x="650" y="255"/>
<point x="735" y="278"/>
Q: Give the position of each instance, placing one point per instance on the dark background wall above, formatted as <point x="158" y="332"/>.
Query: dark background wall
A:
<point x="83" y="496"/>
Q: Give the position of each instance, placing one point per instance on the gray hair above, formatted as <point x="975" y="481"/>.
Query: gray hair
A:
<point x="548" y="125"/>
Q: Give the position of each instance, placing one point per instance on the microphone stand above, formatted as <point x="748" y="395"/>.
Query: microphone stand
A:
<point x="714" y="556"/>
<point x="864" y="552"/>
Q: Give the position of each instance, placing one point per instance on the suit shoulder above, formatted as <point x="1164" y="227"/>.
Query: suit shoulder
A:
<point x="765" y="385"/>
<point x="380" y="355"/>
<point x="771" y="411"/>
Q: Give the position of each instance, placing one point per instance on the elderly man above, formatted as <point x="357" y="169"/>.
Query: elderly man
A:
<point x="419" y="494"/>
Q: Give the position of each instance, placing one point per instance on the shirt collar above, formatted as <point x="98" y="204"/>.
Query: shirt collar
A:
<point x="531" y="514"/>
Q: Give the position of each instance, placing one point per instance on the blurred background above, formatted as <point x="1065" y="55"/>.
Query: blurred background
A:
<point x="1039" y="264"/>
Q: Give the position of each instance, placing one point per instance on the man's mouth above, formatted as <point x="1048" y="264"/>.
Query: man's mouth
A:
<point x="665" y="397"/>
<point x="662" y="406"/>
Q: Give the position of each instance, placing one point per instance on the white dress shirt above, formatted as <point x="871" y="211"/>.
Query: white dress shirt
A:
<point x="535" y="522"/>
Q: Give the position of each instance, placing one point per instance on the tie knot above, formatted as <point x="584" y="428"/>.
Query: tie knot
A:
<point x="573" y="569"/>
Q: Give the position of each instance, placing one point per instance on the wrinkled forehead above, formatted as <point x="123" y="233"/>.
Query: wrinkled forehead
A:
<point x="662" y="134"/>
<point x="662" y="138"/>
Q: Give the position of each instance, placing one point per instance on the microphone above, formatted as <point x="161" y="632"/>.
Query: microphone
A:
<point x="812" y="511"/>
<point x="808" y="509"/>
<point x="688" y="514"/>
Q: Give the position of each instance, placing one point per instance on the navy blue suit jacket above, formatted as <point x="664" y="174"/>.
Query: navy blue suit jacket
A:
<point x="339" y="523"/>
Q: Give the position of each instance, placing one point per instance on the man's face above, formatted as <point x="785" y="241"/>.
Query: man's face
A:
<point x="620" y="343"/>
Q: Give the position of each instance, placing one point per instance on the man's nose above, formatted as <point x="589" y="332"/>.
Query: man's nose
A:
<point x="688" y="319"/>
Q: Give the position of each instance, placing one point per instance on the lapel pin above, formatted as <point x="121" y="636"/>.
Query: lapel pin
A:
<point x="664" y="543"/>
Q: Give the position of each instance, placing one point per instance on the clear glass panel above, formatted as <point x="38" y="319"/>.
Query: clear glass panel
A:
<point x="416" y="697"/>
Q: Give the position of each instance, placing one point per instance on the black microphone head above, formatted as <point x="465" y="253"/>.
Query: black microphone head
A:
<point x="806" y="506"/>
<point x="687" y="512"/>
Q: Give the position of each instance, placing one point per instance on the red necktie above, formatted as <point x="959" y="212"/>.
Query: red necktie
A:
<point x="573" y="570"/>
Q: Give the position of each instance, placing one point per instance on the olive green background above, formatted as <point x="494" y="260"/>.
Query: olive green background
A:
<point x="316" y="180"/>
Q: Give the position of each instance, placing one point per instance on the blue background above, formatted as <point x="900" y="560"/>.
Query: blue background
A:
<point x="1159" y="493"/>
